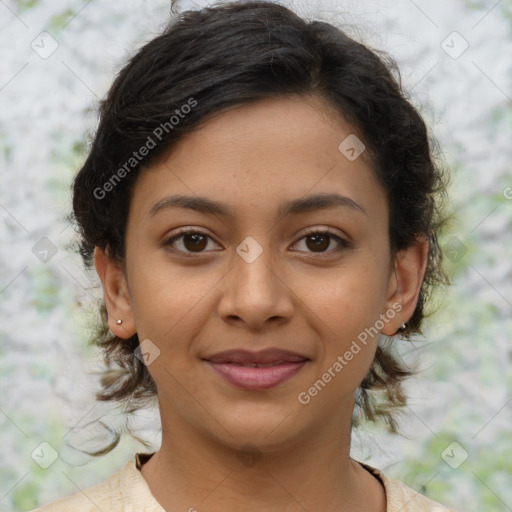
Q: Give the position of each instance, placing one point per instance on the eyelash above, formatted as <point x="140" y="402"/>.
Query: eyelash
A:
<point x="343" y="244"/>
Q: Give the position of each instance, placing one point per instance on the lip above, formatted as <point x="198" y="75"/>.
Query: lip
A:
<point x="266" y="356"/>
<point x="247" y="377"/>
<point x="233" y="366"/>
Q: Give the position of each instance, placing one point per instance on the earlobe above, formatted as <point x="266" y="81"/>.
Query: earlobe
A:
<point x="116" y="293"/>
<point x="405" y="282"/>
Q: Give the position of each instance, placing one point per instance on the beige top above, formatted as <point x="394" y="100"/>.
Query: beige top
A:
<point x="127" y="491"/>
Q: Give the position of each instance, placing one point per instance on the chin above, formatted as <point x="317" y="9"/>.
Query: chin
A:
<point x="261" y="428"/>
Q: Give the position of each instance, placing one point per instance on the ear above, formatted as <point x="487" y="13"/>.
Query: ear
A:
<point x="405" y="283"/>
<point x="116" y="292"/>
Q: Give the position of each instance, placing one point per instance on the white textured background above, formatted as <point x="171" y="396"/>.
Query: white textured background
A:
<point x="47" y="109"/>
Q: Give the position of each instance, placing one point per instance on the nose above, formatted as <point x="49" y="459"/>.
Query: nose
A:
<point x="256" y="292"/>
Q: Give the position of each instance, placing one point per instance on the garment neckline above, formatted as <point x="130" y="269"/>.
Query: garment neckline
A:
<point x="142" y="458"/>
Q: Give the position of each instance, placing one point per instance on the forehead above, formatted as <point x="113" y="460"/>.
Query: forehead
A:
<point x="261" y="155"/>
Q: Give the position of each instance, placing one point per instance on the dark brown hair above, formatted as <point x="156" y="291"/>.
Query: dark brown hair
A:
<point x="207" y="61"/>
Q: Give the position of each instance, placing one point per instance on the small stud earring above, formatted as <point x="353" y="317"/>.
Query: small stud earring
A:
<point x="402" y="328"/>
<point x="119" y="322"/>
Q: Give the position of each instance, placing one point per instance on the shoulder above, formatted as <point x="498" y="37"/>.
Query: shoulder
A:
<point x="125" y="488"/>
<point x="401" y="497"/>
<point x="100" y="496"/>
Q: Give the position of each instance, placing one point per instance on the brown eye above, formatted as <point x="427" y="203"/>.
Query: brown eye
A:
<point x="319" y="241"/>
<point x="188" y="241"/>
<point x="194" y="242"/>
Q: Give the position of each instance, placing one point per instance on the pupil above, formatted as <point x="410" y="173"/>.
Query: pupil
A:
<point x="196" y="241"/>
<point x="318" y="244"/>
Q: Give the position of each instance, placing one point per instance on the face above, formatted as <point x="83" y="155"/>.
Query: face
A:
<point x="254" y="274"/>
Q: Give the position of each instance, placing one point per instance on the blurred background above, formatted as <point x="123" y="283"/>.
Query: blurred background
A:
<point x="59" y="57"/>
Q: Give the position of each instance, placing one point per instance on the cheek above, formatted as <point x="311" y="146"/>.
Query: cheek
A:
<point x="346" y="301"/>
<point x="346" y="309"/>
<point x="166" y="301"/>
<point x="350" y="351"/>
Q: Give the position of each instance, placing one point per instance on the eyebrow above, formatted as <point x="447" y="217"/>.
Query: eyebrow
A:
<point x="296" y="206"/>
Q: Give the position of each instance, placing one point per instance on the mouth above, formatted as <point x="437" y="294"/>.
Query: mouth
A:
<point x="256" y="370"/>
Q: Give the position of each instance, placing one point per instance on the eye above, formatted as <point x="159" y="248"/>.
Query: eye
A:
<point x="320" y="240"/>
<point x="194" y="241"/>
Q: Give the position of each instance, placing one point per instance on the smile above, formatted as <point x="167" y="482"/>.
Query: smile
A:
<point x="254" y="376"/>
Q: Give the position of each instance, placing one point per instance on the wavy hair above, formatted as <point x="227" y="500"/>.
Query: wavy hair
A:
<point x="237" y="53"/>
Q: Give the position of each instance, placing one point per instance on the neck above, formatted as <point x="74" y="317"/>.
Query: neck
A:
<point x="193" y="471"/>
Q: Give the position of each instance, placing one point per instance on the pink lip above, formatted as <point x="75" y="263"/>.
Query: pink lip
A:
<point x="255" y="378"/>
<point x="266" y="356"/>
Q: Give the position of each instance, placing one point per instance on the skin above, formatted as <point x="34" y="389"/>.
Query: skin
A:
<point x="253" y="158"/>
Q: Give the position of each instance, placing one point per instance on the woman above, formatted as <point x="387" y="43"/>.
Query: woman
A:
<point x="261" y="205"/>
